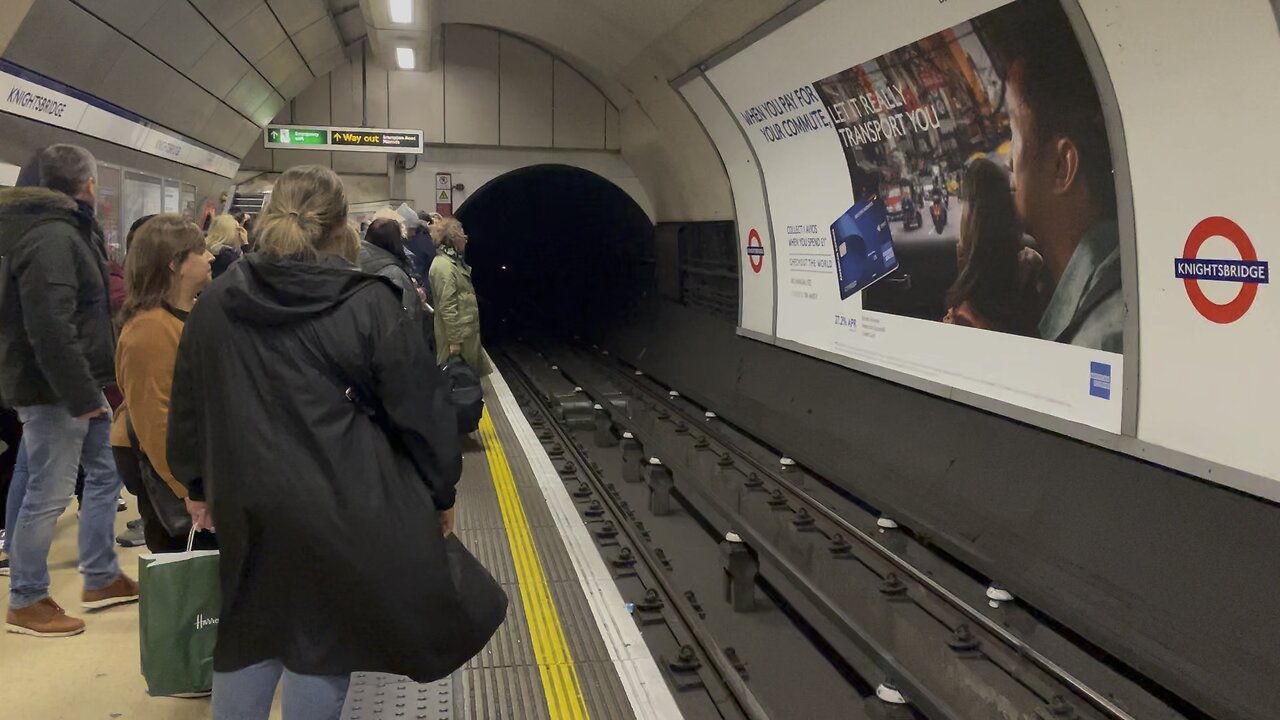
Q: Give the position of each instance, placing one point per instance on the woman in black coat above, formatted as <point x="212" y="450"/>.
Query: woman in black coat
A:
<point x="311" y="427"/>
<point x="382" y="253"/>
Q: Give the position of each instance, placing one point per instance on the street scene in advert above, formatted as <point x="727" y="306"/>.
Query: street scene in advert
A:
<point x="959" y="222"/>
<point x="986" y="147"/>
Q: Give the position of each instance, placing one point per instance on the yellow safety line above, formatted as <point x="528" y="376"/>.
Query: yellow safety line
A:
<point x="555" y="663"/>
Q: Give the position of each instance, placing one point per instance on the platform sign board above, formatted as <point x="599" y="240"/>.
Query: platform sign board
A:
<point x="343" y="139"/>
<point x="31" y="95"/>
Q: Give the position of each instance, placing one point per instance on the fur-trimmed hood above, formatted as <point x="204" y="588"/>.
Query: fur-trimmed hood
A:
<point x="23" y="207"/>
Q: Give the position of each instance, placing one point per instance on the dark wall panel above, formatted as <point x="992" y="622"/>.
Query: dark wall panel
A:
<point x="1176" y="576"/>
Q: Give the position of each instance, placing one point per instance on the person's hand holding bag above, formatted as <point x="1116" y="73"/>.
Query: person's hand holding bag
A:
<point x="201" y="519"/>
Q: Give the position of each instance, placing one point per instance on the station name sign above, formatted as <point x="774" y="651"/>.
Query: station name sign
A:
<point x="343" y="139"/>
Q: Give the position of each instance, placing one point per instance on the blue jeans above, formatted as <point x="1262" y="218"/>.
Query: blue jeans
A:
<point x="246" y="694"/>
<point x="17" y="491"/>
<point x="56" y="445"/>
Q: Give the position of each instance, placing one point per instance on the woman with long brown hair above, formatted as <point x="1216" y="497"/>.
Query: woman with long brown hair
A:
<point x="999" y="285"/>
<point x="166" y="268"/>
<point x="333" y="506"/>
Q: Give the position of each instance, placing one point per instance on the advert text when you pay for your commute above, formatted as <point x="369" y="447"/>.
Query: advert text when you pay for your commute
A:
<point x="866" y="118"/>
<point x="808" y="254"/>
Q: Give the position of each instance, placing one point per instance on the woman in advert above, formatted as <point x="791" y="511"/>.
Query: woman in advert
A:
<point x="332" y="524"/>
<point x="1000" y="282"/>
<point x="457" y="318"/>
<point x="167" y="267"/>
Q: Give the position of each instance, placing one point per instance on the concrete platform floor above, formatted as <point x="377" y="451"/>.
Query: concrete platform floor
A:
<point x="93" y="676"/>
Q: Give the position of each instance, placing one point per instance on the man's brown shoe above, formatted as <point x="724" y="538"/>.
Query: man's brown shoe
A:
<point x="43" y="619"/>
<point x="122" y="590"/>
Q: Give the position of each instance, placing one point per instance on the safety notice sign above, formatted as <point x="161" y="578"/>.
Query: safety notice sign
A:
<point x="444" y="194"/>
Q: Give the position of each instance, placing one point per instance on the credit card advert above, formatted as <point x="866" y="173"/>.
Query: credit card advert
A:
<point x="863" y="246"/>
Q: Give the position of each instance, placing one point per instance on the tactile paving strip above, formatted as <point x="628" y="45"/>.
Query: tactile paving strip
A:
<point x="602" y="690"/>
<point x="502" y="682"/>
<point x="375" y="696"/>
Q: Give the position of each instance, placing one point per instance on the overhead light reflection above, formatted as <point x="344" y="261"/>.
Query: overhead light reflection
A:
<point x="404" y="58"/>
<point x="402" y="11"/>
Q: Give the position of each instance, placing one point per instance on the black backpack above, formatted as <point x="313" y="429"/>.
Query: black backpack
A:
<point x="465" y="393"/>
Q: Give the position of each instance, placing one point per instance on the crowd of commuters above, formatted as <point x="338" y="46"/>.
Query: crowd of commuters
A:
<point x="290" y="414"/>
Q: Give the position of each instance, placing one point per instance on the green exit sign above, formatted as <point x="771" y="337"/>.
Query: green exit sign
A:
<point x="278" y="136"/>
<point x="344" y="139"/>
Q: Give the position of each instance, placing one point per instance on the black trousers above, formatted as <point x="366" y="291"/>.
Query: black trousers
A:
<point x="158" y="539"/>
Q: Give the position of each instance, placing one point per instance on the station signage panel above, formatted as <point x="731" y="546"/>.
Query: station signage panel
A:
<point x="343" y="139"/>
<point x="29" y="94"/>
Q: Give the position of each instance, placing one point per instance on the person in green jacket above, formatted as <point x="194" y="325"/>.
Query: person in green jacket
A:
<point x="457" y="316"/>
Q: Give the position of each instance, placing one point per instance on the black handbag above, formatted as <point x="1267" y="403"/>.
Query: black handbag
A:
<point x="482" y="599"/>
<point x="465" y="393"/>
<point x="170" y="510"/>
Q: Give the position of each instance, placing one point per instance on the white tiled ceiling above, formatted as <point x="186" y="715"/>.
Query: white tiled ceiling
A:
<point x="295" y="15"/>
<point x="214" y="70"/>
<point x="177" y="34"/>
<point x="257" y="34"/>
<point x="220" y="68"/>
<point x="281" y="64"/>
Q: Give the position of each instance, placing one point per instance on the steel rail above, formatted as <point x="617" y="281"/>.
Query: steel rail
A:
<point x="1057" y="672"/>
<point x="743" y="697"/>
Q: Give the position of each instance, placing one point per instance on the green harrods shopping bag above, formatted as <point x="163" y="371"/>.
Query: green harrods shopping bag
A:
<point x="178" y="616"/>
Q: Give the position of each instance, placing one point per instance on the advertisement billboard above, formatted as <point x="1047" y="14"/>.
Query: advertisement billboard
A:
<point x="954" y="204"/>
<point x="944" y="209"/>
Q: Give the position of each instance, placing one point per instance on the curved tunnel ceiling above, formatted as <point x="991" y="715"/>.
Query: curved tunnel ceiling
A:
<point x="213" y="70"/>
<point x="218" y="70"/>
<point x="612" y="41"/>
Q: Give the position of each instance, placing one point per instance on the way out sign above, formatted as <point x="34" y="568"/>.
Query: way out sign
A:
<point x="444" y="194"/>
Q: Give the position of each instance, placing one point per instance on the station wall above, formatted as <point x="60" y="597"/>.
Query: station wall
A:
<point x="491" y="90"/>
<point x="825" y="105"/>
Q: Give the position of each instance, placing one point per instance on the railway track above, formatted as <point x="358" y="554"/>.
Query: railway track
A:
<point x="915" y="634"/>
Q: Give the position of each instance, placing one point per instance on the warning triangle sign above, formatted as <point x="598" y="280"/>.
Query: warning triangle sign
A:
<point x="444" y="196"/>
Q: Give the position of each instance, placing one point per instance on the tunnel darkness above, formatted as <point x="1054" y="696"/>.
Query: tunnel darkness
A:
<point x="556" y="246"/>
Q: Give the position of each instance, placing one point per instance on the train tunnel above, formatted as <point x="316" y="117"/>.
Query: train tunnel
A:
<point x="556" y="245"/>
<point x="838" y="366"/>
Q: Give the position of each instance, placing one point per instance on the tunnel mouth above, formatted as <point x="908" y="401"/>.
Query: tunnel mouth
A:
<point x="556" y="246"/>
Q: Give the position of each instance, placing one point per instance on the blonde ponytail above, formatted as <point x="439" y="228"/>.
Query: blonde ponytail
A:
<point x="306" y="217"/>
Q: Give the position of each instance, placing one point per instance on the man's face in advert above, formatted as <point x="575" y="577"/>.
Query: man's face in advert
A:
<point x="1029" y="185"/>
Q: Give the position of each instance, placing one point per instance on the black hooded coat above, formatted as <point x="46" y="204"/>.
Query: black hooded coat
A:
<point x="306" y="408"/>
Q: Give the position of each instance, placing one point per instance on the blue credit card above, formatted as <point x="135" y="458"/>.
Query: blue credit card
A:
<point x="863" y="246"/>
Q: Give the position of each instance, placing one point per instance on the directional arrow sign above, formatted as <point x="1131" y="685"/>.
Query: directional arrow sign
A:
<point x="344" y="139"/>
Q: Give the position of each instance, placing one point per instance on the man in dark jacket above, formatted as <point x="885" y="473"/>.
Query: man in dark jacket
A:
<point x="57" y="353"/>
<point x="423" y="249"/>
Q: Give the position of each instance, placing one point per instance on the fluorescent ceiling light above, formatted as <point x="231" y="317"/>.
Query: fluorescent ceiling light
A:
<point x="402" y="11"/>
<point x="404" y="58"/>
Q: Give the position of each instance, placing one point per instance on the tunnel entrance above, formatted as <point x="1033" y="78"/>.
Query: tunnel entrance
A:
<point x="556" y="245"/>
